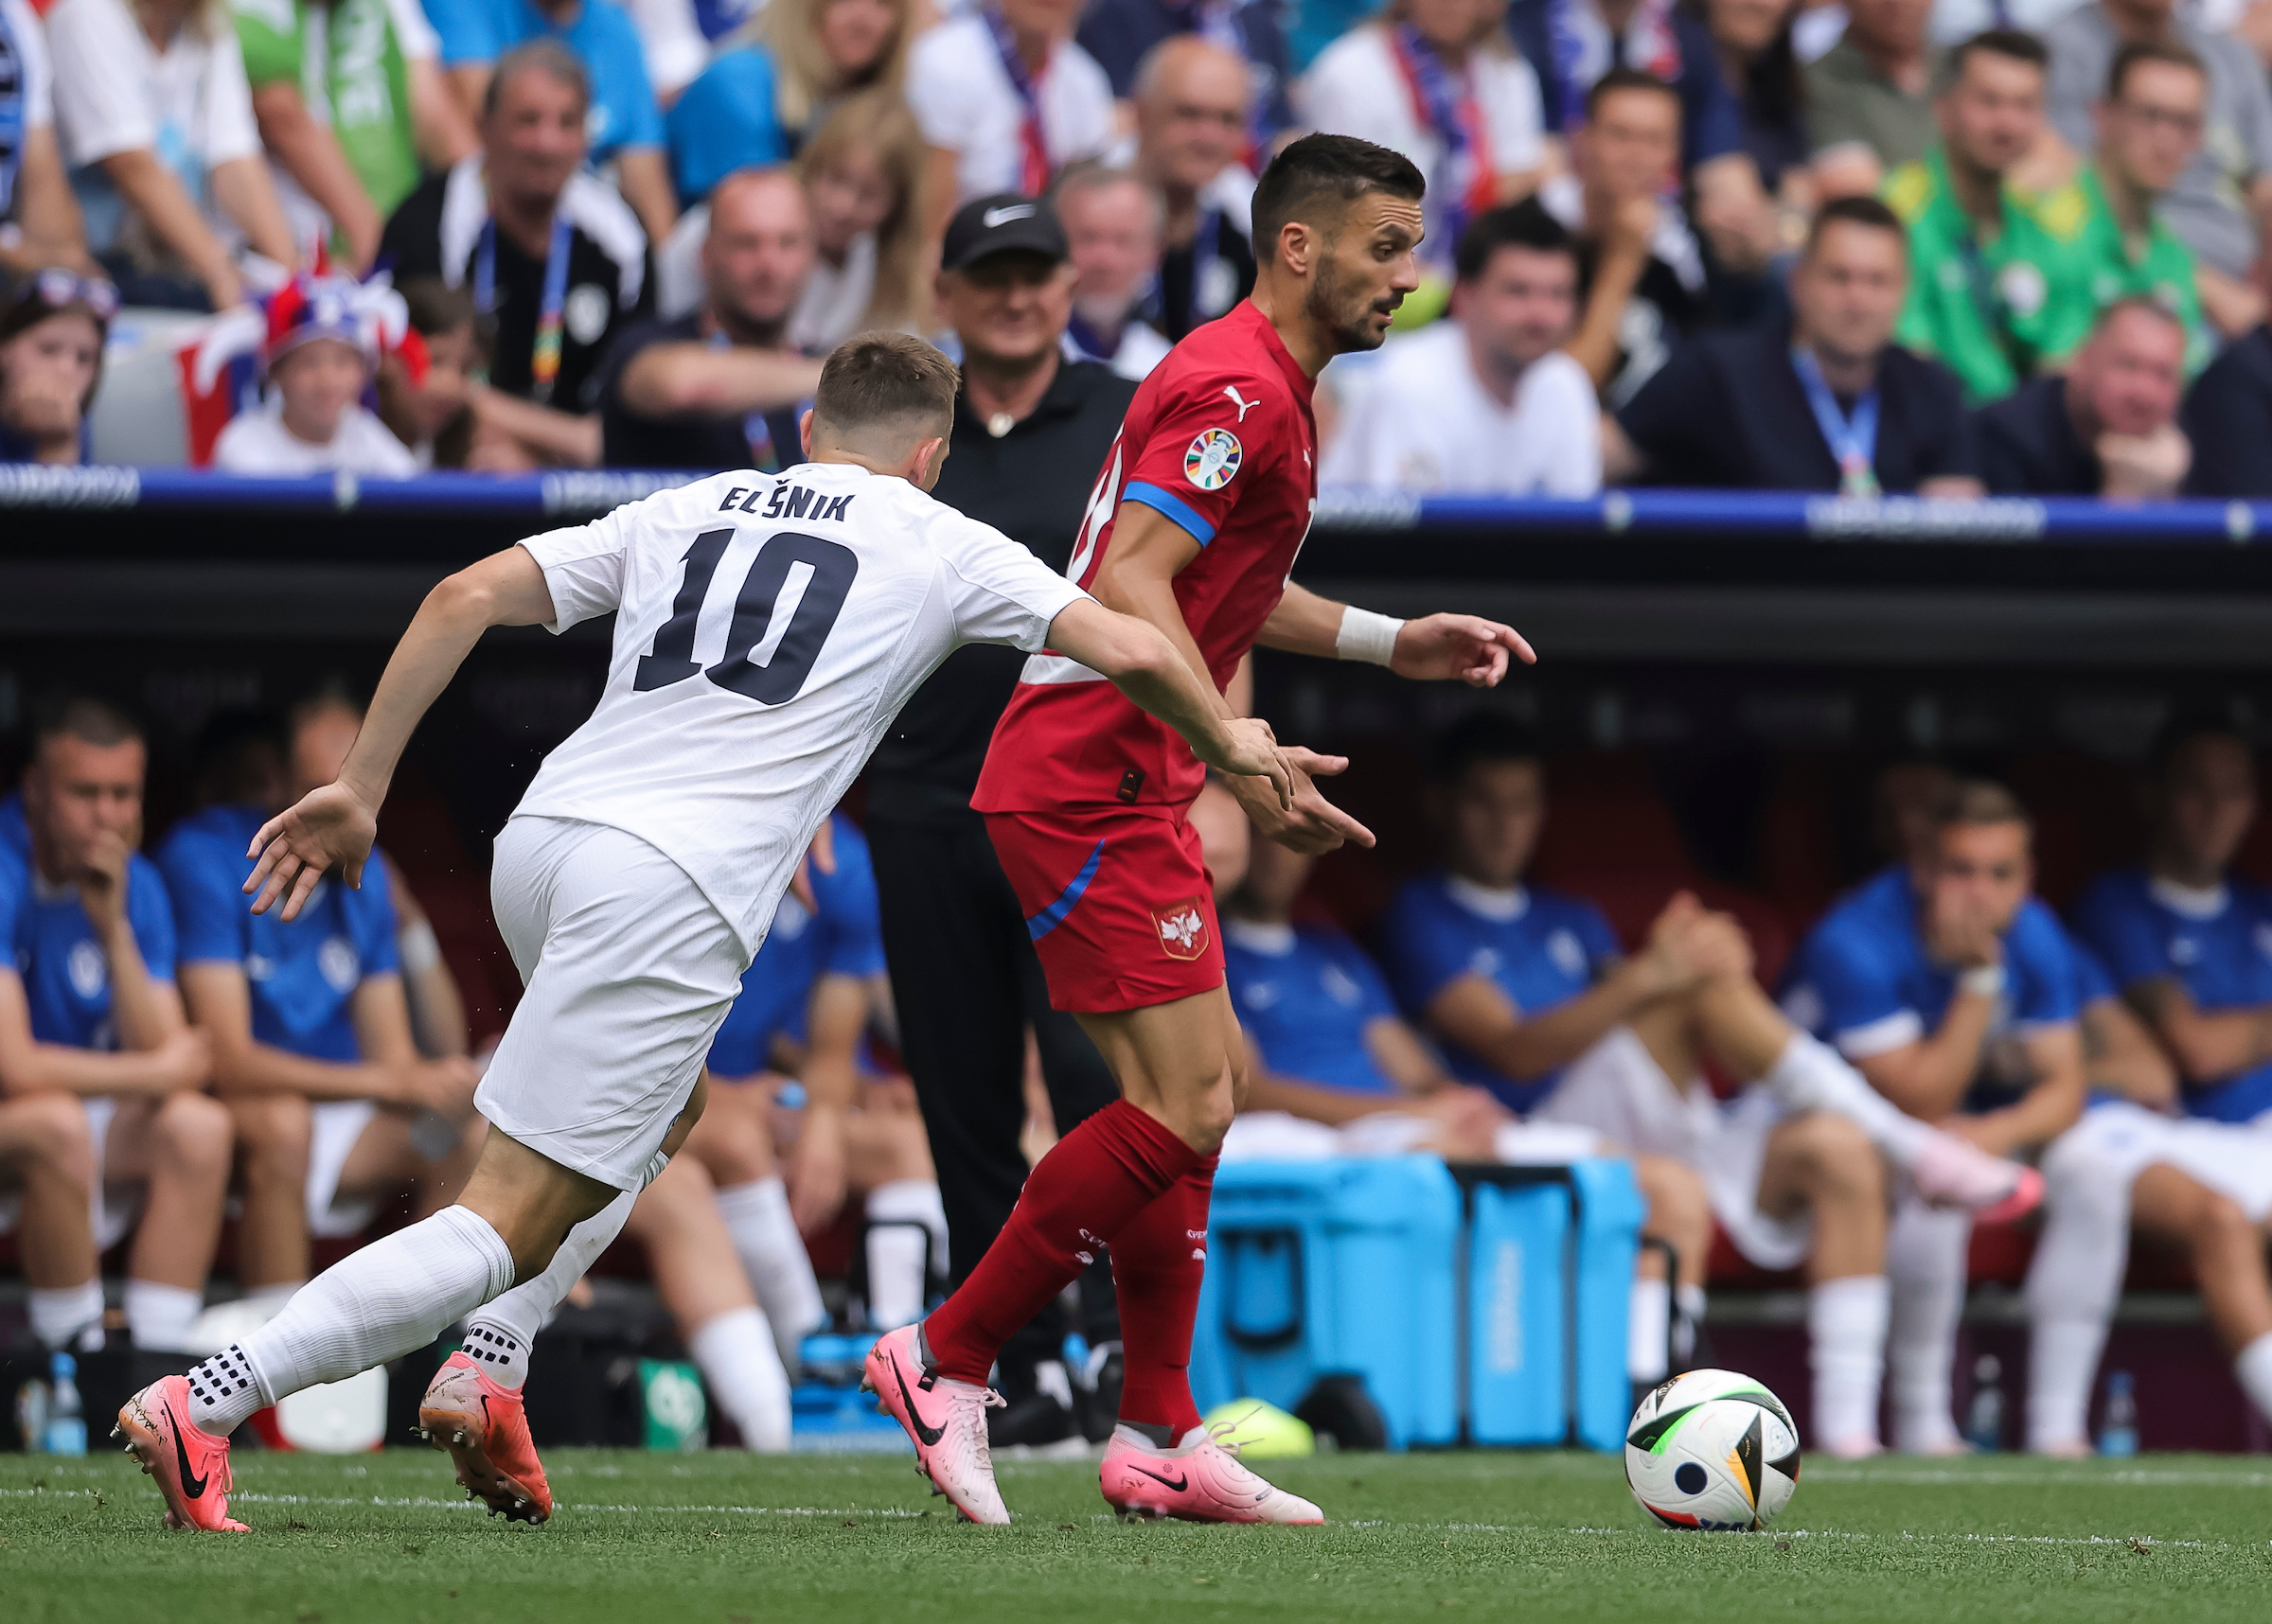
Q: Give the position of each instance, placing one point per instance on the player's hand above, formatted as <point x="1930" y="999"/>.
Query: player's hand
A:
<point x="820" y="855"/>
<point x="1960" y="931"/>
<point x="1251" y="751"/>
<point x="2144" y="467"/>
<point x="185" y="1060"/>
<point x="443" y="1086"/>
<point x="329" y="829"/>
<point x="1441" y="646"/>
<point x="816" y="1169"/>
<point x="1469" y="1115"/>
<point x="102" y="881"/>
<point x="1311" y="824"/>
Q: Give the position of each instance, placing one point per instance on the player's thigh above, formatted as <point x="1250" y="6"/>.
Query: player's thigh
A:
<point x="381" y="1158"/>
<point x="47" y="1133"/>
<point x="735" y="1137"/>
<point x="2169" y="1202"/>
<point x="1177" y="1059"/>
<point x="881" y="1147"/>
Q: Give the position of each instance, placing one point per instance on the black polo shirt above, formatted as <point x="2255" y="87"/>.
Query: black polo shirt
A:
<point x="710" y="441"/>
<point x="1729" y="411"/>
<point x="1032" y="485"/>
<point x="2029" y="445"/>
<point x="2228" y="418"/>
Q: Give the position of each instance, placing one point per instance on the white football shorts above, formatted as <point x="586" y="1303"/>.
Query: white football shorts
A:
<point x="630" y="971"/>
<point x="2116" y="1140"/>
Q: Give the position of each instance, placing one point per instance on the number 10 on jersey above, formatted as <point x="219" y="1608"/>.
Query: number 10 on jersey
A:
<point x="806" y="575"/>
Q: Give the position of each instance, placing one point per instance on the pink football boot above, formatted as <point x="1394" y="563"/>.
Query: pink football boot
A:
<point x="191" y="1467"/>
<point x="485" y="1431"/>
<point x="1198" y="1481"/>
<point x="946" y="1419"/>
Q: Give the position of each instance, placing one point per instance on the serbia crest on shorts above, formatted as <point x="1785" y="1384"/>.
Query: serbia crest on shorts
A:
<point x="1183" y="925"/>
<point x="1213" y="459"/>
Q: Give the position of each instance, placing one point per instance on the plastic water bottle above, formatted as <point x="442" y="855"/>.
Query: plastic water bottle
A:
<point x="31" y="1416"/>
<point x="1984" y="1420"/>
<point x="2117" y="1433"/>
<point x="67" y="1423"/>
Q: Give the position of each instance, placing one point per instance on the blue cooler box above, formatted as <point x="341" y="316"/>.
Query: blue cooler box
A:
<point x="1321" y="1267"/>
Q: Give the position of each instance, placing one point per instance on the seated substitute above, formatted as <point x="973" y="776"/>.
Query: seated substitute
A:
<point x="1531" y="998"/>
<point x="1952" y="990"/>
<point x="89" y="1015"/>
<point x="1830" y="403"/>
<point x="2108" y="426"/>
<point x="312" y="1050"/>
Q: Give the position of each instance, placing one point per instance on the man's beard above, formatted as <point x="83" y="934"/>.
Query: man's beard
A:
<point x="757" y="332"/>
<point x="1347" y="317"/>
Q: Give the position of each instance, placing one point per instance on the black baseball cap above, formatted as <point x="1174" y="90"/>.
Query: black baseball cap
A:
<point x="1003" y="223"/>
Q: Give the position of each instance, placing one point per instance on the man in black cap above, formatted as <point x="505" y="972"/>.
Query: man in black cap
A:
<point x="1031" y="431"/>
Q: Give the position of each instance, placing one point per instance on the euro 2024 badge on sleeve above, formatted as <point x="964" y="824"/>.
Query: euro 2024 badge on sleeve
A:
<point x="1213" y="459"/>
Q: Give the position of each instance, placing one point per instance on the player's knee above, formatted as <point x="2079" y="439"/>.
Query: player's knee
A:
<point x="2219" y="1224"/>
<point x="1839" y="1157"/>
<point x="55" y="1138"/>
<point x="1679" y="1207"/>
<point x="194" y="1134"/>
<point x="274" y="1134"/>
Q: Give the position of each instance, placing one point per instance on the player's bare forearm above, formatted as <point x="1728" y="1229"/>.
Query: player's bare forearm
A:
<point x="1476" y="1015"/>
<point x="1312" y="1101"/>
<point x="2208" y="1045"/>
<point x="1433" y="648"/>
<point x="1928" y="1078"/>
<point x="2048" y="1109"/>
<point x="835" y="1018"/>
<point x="1303" y="623"/>
<point x="674" y="379"/>
<point x="220" y="1001"/>
<point x="29" y="1067"/>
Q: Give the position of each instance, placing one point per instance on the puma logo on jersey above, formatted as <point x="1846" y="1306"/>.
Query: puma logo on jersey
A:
<point x="1240" y="402"/>
<point x="786" y="501"/>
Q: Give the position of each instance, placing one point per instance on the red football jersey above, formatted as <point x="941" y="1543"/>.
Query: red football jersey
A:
<point x="1220" y="439"/>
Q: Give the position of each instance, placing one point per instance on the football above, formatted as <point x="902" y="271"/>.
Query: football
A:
<point x="1712" y="1450"/>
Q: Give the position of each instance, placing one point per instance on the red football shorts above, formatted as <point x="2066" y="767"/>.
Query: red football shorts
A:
<point x="1117" y="900"/>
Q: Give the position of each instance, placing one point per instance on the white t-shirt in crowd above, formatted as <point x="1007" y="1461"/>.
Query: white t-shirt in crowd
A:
<point x="1422" y="422"/>
<point x="1356" y="88"/>
<point x="259" y="443"/>
<point x="671" y="41"/>
<point x="32" y="64"/>
<point x="828" y="594"/>
<point x="963" y="98"/>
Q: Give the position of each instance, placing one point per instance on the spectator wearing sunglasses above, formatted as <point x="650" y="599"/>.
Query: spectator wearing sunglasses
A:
<point x="51" y="333"/>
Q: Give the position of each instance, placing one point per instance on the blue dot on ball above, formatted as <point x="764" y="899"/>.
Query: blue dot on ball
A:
<point x="1689" y="1478"/>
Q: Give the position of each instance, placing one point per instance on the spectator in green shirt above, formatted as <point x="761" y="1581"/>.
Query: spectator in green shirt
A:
<point x="2149" y="129"/>
<point x="1994" y="291"/>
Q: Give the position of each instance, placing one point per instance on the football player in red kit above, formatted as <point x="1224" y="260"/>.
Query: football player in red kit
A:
<point x="1193" y="524"/>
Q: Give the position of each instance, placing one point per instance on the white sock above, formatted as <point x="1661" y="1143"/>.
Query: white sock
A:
<point x="1809" y="1075"/>
<point x="162" y="1316"/>
<point x="1690" y="1300"/>
<point x="2253" y="1365"/>
<point x="1925" y="1256"/>
<point x="65" y="1317"/>
<point x="2073" y="1285"/>
<point x="395" y="1295"/>
<point x="1846" y="1331"/>
<point x="501" y="1335"/>
<point x="738" y="1359"/>
<point x="2063" y="1356"/>
<point x="773" y="1255"/>
<point x="1648" y="1330"/>
<point x="896" y="1251"/>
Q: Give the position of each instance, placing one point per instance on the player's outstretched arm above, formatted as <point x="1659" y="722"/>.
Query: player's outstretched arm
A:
<point x="1435" y="647"/>
<point x="1140" y="661"/>
<point x="333" y="827"/>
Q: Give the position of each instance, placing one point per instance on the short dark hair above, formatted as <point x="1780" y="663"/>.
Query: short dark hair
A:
<point x="2168" y="53"/>
<point x="1977" y="803"/>
<point x="548" y="57"/>
<point x="2149" y="304"/>
<point x="84" y="717"/>
<point x="1625" y="78"/>
<point x="434" y="306"/>
<point x="1482" y="737"/>
<point x="2012" y="43"/>
<point x="1862" y="211"/>
<point x="1326" y="173"/>
<point x="878" y="378"/>
<point x="1526" y="224"/>
<point x="2189" y="724"/>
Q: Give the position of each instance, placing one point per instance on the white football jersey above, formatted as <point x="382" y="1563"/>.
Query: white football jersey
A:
<point x="769" y="628"/>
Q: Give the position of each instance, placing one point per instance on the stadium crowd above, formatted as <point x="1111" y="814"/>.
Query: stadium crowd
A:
<point x="1882" y="247"/>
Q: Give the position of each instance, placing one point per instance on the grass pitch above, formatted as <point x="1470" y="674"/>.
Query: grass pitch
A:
<point x="646" y="1539"/>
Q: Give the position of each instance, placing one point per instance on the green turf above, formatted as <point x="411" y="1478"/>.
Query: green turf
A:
<point x="645" y="1539"/>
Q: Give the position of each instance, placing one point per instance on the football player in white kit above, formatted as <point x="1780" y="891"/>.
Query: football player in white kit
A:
<point x="768" y="630"/>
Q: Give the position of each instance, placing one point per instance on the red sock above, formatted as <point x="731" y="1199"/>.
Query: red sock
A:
<point x="1159" y="1258"/>
<point x="1087" y="1188"/>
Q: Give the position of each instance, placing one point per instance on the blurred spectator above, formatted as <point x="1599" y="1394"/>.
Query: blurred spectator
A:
<point x="1190" y="106"/>
<point x="2108" y="427"/>
<point x="434" y="416"/>
<point x="1120" y="34"/>
<point x="721" y="388"/>
<point x="1486" y="403"/>
<point x="1112" y="220"/>
<point x="1640" y="273"/>
<point x="2226" y="190"/>
<point x="1989" y="289"/>
<point x="767" y="92"/>
<point x="623" y="123"/>
<point x="676" y="37"/>
<point x="1951" y="989"/>
<point x="1760" y="65"/>
<point x="313" y="1050"/>
<point x="157" y="125"/>
<point x="39" y="217"/>
<point x="319" y="360"/>
<point x="864" y="173"/>
<point x="557" y="262"/>
<point x="88" y="1009"/>
<point x="2227" y="414"/>
<point x="2149" y="127"/>
<point x="1830" y="404"/>
<point x="1007" y="99"/>
<point x="1870" y="96"/>
<point x="1439" y="81"/>
<point x="51" y="337"/>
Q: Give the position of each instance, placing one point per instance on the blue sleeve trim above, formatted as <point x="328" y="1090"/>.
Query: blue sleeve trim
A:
<point x="1174" y="507"/>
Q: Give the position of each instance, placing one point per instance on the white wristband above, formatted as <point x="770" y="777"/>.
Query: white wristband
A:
<point x="417" y="947"/>
<point x="1366" y="636"/>
<point x="1984" y="981"/>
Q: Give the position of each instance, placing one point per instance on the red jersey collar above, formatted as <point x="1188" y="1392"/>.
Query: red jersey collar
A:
<point x="1248" y="311"/>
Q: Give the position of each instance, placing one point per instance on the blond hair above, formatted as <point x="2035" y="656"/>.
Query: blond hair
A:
<point x="877" y="123"/>
<point x="805" y="81"/>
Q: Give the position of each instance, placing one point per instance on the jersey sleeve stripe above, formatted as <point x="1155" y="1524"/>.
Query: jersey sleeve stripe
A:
<point x="1174" y="507"/>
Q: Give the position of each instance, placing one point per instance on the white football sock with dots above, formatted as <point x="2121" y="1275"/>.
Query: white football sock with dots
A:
<point x="904" y="1215"/>
<point x="501" y="1336"/>
<point x="1846" y="1331"/>
<point x="736" y="1354"/>
<point x="773" y="1255"/>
